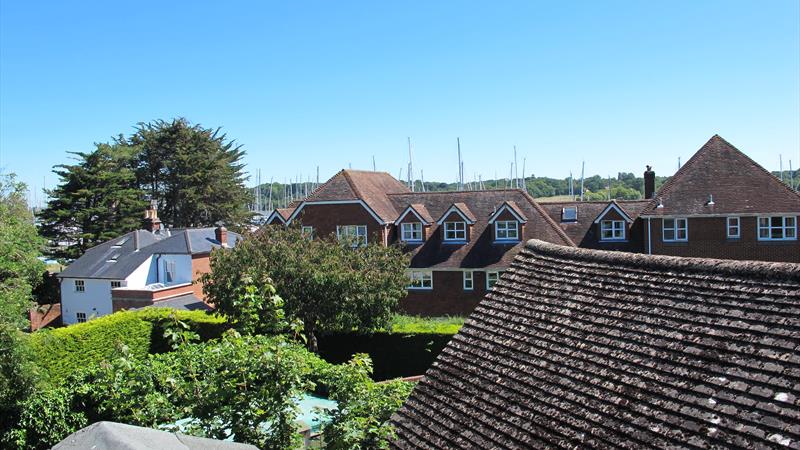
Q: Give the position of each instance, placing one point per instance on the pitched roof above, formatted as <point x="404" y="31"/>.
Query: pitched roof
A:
<point x="581" y="231"/>
<point x="579" y="348"/>
<point x="480" y="251"/>
<point x="736" y="183"/>
<point x="417" y="209"/>
<point x="117" y="258"/>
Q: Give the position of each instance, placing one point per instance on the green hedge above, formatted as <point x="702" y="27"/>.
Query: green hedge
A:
<point x="61" y="351"/>
<point x="407" y="348"/>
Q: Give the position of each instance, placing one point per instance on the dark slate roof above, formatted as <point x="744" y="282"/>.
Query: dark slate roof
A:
<point x="119" y="436"/>
<point x="481" y="251"/>
<point x="186" y="302"/>
<point x="737" y="184"/>
<point x="97" y="261"/>
<point x="578" y="348"/>
<point x="581" y="231"/>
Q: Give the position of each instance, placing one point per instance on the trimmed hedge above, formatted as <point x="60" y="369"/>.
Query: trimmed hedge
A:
<point x="408" y="349"/>
<point x="62" y="351"/>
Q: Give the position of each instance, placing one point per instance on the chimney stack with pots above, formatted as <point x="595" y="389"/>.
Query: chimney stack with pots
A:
<point x="151" y="221"/>
<point x="221" y="233"/>
<point x="649" y="183"/>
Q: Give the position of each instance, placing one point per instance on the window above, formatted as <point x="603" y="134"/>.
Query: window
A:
<point x="734" y="231"/>
<point x="612" y="230"/>
<point x="356" y="233"/>
<point x="420" y="279"/>
<point x="675" y="230"/>
<point x="116" y="284"/>
<point x="410" y="232"/>
<point x="468" y="280"/>
<point x="491" y="278"/>
<point x="777" y="228"/>
<point x="506" y="230"/>
<point x="80" y="286"/>
<point x="169" y="271"/>
<point x="81" y="317"/>
<point x="455" y="231"/>
<point x="307" y="231"/>
<point x="569" y="214"/>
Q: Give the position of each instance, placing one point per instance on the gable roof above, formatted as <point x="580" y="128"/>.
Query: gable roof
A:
<point x="111" y="261"/>
<point x="369" y="187"/>
<point x="581" y="231"/>
<point x="511" y="207"/>
<point x="577" y="348"/>
<point x="736" y="183"/>
<point x="481" y="251"/>
<point x="462" y="210"/>
<point x="613" y="206"/>
<point x="419" y="210"/>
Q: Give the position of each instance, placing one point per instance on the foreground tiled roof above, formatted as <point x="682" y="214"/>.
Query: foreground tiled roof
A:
<point x="736" y="183"/>
<point x="481" y="251"/>
<point x="578" y="348"/>
<point x="581" y="231"/>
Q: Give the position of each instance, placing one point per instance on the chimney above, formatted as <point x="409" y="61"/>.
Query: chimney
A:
<point x="649" y="183"/>
<point x="151" y="221"/>
<point x="221" y="234"/>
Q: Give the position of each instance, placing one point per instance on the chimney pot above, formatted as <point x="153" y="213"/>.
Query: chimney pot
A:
<point x="151" y="221"/>
<point x="221" y="234"/>
<point x="649" y="183"/>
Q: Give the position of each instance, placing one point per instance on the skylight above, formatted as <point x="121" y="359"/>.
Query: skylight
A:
<point x="569" y="214"/>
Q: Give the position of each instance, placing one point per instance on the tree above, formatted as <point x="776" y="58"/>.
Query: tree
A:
<point x="194" y="173"/>
<point x="96" y="200"/>
<point x="328" y="285"/>
<point x="20" y="247"/>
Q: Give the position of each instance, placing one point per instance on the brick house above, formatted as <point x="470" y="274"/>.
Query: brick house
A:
<point x="154" y="266"/>
<point x="720" y="204"/>
<point x="459" y="242"/>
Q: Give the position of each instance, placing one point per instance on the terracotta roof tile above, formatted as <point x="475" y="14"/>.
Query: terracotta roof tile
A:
<point x="578" y="348"/>
<point x="581" y="231"/>
<point x="736" y="183"/>
<point x="371" y="187"/>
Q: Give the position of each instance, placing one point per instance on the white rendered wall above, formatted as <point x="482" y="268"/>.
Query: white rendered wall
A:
<point x="95" y="301"/>
<point x="183" y="268"/>
<point x="143" y="275"/>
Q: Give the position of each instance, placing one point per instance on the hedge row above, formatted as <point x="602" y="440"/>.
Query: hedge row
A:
<point x="61" y="351"/>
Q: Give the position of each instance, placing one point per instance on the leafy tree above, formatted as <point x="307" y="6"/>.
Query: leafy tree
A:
<point x="96" y="200"/>
<point x="20" y="246"/>
<point x="329" y="286"/>
<point x="194" y="173"/>
<point x="17" y="378"/>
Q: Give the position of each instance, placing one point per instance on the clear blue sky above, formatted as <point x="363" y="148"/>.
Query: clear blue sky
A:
<point x="301" y="84"/>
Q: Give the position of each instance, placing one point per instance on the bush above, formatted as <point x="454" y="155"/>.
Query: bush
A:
<point x="62" y="351"/>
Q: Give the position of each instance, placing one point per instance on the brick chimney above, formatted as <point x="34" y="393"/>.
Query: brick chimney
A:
<point x="221" y="234"/>
<point x="151" y="221"/>
<point x="649" y="183"/>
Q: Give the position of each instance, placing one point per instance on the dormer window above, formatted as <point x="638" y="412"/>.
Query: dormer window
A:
<point x="506" y="230"/>
<point x="612" y="230"/>
<point x="411" y="232"/>
<point x="569" y="214"/>
<point x="455" y="231"/>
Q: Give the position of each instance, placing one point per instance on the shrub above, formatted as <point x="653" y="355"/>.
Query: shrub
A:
<point x="62" y="351"/>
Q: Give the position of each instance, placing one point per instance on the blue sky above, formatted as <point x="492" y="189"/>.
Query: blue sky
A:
<point x="330" y="84"/>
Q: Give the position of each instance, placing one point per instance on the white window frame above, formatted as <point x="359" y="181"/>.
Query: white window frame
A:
<point x="787" y="228"/>
<point x="616" y="227"/>
<point x="468" y="280"/>
<point x="424" y="278"/>
<point x="676" y="228"/>
<point x="504" y="226"/>
<point x="81" y="317"/>
<point x="454" y="228"/>
<point x="116" y="284"/>
<point x="359" y="232"/>
<point x="169" y="271"/>
<point x="307" y="231"/>
<point x="492" y="277"/>
<point x="564" y="217"/>
<point x="731" y="226"/>
<point x="411" y="232"/>
<point x="80" y="286"/>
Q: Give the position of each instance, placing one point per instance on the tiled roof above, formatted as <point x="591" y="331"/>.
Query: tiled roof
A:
<point x="117" y="258"/>
<point x="579" y="348"/>
<point x="581" y="231"/>
<point x="481" y="251"/>
<point x="736" y="183"/>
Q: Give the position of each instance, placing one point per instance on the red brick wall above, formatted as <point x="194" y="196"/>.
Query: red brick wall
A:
<point x="325" y="218"/>
<point x="447" y="297"/>
<point x="201" y="264"/>
<point x="708" y="239"/>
